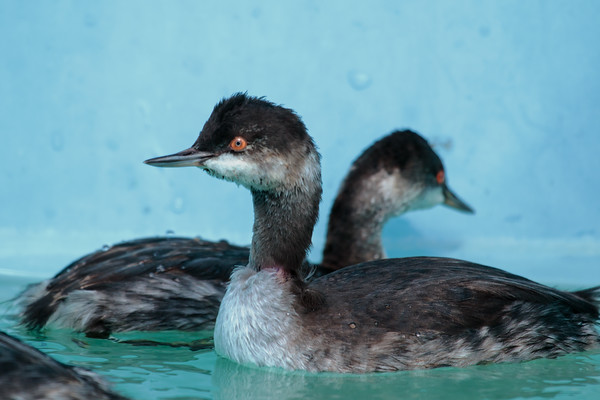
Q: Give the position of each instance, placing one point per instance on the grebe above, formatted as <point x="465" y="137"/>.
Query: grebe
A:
<point x="385" y="315"/>
<point x="175" y="283"/>
<point x="28" y="374"/>
<point x="398" y="173"/>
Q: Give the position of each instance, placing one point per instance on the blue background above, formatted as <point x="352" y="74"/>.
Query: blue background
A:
<point x="508" y="91"/>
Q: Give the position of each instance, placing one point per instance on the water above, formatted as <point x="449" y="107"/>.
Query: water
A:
<point x="177" y="372"/>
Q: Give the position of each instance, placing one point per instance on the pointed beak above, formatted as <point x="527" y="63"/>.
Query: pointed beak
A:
<point x="186" y="158"/>
<point x="452" y="200"/>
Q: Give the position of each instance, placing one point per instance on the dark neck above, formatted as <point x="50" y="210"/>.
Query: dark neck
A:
<point x="283" y="226"/>
<point x="353" y="233"/>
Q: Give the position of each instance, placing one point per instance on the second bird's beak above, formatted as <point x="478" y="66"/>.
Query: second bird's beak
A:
<point x="186" y="158"/>
<point x="452" y="200"/>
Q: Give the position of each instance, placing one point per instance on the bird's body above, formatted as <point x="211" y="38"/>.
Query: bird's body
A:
<point x="376" y="316"/>
<point x="401" y="314"/>
<point x="166" y="283"/>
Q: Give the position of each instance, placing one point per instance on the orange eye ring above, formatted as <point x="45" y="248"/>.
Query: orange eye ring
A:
<point x="440" y="177"/>
<point x="238" y="143"/>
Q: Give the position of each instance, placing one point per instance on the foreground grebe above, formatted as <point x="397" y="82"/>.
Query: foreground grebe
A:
<point x="419" y="312"/>
<point x="173" y="283"/>
<point x="28" y="374"/>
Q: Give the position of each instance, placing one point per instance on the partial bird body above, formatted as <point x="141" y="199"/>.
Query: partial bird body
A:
<point x="175" y="283"/>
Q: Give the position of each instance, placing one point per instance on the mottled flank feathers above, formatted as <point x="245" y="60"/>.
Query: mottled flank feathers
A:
<point x="147" y="284"/>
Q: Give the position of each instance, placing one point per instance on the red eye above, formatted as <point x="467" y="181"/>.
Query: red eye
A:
<point x="238" y="143"/>
<point x="440" y="177"/>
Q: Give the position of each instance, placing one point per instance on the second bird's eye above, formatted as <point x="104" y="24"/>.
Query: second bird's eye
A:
<point x="238" y="143"/>
<point x="440" y="177"/>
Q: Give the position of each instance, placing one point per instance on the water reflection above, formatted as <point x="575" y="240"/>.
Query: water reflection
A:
<point x="536" y="379"/>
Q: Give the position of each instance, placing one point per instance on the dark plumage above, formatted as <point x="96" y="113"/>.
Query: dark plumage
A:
<point x="173" y="283"/>
<point x="384" y="315"/>
<point x="28" y="374"/>
<point x="447" y="312"/>
<point x="155" y="283"/>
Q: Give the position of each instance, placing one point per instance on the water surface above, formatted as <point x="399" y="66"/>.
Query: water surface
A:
<point x="188" y="368"/>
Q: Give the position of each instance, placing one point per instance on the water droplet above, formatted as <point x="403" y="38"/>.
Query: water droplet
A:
<point x="359" y="80"/>
<point x="112" y="144"/>
<point x="132" y="183"/>
<point x="177" y="205"/>
<point x="105" y="247"/>
<point x="256" y="12"/>
<point x="443" y="143"/>
<point x="49" y="213"/>
<point x="143" y="107"/>
<point x="90" y="21"/>
<point x="513" y="218"/>
<point x="151" y="275"/>
<point x="57" y="141"/>
<point x="160" y="269"/>
<point x="352" y="325"/>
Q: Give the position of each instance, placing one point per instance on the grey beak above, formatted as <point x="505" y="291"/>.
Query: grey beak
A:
<point x="452" y="200"/>
<point x="186" y="158"/>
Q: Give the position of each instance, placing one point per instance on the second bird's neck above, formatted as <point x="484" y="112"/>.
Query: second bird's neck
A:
<point x="352" y="238"/>
<point x="359" y="213"/>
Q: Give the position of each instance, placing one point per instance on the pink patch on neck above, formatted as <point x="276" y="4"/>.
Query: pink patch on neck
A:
<point x="279" y="272"/>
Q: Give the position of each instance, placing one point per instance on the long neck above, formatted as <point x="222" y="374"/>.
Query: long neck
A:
<point x="283" y="226"/>
<point x="360" y="210"/>
<point x="352" y="237"/>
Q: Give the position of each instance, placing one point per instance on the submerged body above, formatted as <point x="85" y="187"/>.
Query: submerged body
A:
<point x="376" y="316"/>
<point x="28" y="374"/>
<point x="175" y="283"/>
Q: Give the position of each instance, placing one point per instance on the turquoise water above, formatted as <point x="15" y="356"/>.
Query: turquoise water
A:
<point x="180" y="371"/>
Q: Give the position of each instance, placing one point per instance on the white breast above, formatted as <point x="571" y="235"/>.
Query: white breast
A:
<point x="257" y="322"/>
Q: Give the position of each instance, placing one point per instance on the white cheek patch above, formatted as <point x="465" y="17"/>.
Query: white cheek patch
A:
<point x="405" y="194"/>
<point x="392" y="194"/>
<point x="242" y="170"/>
<point x="429" y="198"/>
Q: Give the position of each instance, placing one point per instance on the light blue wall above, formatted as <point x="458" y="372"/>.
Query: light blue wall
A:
<point x="508" y="90"/>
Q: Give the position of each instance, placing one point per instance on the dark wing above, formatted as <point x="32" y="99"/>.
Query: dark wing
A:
<point x="128" y="261"/>
<point x="427" y="294"/>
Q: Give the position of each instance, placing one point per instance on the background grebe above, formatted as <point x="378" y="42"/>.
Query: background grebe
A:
<point x="398" y="173"/>
<point x="419" y="312"/>
<point x="172" y="283"/>
<point x="28" y="374"/>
